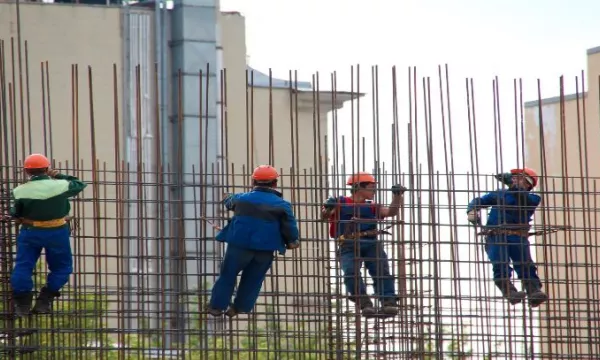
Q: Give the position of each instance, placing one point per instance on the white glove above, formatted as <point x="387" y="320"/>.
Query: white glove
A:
<point x="473" y="216"/>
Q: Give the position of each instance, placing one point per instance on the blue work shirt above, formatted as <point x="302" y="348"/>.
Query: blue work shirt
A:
<point x="262" y="220"/>
<point x="342" y="224"/>
<point x="511" y="208"/>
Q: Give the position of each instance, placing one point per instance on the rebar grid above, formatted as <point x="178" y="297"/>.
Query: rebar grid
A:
<point x="143" y="273"/>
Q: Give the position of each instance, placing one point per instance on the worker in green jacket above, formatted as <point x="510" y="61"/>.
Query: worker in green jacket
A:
<point x="41" y="206"/>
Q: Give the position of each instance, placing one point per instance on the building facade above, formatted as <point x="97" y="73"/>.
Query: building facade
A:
<point x="565" y="158"/>
<point x="86" y="94"/>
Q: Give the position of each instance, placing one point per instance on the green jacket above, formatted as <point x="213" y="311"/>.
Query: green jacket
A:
<point x="43" y="198"/>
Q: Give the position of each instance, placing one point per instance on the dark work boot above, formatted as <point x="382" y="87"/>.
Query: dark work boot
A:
<point x="213" y="311"/>
<point x="232" y="311"/>
<point x="22" y="303"/>
<point x="534" y="292"/>
<point x="510" y="292"/>
<point x="366" y="307"/>
<point x="389" y="308"/>
<point x="43" y="303"/>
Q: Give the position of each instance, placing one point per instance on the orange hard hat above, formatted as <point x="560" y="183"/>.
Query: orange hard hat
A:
<point x="265" y="173"/>
<point x="530" y="174"/>
<point x="36" y="161"/>
<point x="360" y="177"/>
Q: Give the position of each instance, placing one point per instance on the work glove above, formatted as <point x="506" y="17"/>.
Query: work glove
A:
<point x="330" y="203"/>
<point x="52" y="173"/>
<point x="505" y="178"/>
<point x="398" y="189"/>
<point x="473" y="217"/>
<point x="293" y="245"/>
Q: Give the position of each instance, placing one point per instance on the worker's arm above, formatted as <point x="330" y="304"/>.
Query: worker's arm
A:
<point x="289" y="227"/>
<point x="394" y="208"/>
<point x="16" y="208"/>
<point x="534" y="200"/>
<point x="328" y="208"/>
<point x="478" y="203"/>
<point x="230" y="200"/>
<point x="75" y="185"/>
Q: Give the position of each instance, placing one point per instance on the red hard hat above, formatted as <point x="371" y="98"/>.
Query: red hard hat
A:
<point x="36" y="161"/>
<point x="265" y="173"/>
<point x="529" y="173"/>
<point x="361" y="177"/>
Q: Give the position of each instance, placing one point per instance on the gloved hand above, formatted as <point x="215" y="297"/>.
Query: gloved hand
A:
<point x="330" y="203"/>
<point x="293" y="245"/>
<point x="505" y="178"/>
<point x="398" y="189"/>
<point x="473" y="217"/>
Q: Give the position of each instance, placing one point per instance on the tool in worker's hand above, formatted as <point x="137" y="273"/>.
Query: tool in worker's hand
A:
<point x="547" y="230"/>
<point x="375" y="232"/>
<point x="215" y="226"/>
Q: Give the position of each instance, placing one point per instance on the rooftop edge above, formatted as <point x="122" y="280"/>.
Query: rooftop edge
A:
<point x="554" y="99"/>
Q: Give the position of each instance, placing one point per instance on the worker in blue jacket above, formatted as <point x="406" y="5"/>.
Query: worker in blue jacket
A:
<point x="507" y="229"/>
<point x="263" y="222"/>
<point x="353" y="223"/>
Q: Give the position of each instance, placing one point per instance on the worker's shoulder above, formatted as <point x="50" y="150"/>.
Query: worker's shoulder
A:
<point x="267" y="196"/>
<point x="41" y="189"/>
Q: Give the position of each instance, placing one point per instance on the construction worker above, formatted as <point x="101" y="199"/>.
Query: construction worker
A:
<point x="41" y="206"/>
<point x="353" y="221"/>
<point x="263" y="222"/>
<point x="507" y="229"/>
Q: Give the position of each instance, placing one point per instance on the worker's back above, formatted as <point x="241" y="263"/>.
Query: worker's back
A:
<point x="262" y="220"/>
<point x="513" y="207"/>
<point x="43" y="198"/>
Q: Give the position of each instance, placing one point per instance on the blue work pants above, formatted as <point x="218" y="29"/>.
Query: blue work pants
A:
<point x="502" y="249"/>
<point x="370" y="252"/>
<point x="254" y="265"/>
<point x="56" y="244"/>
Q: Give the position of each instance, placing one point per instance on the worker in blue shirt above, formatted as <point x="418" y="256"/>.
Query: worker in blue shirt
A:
<point x="353" y="223"/>
<point x="507" y="229"/>
<point x="263" y="222"/>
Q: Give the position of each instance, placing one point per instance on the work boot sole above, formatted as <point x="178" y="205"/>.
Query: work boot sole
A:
<point x="41" y="309"/>
<point x="537" y="299"/>
<point x="516" y="298"/>
<point x="214" y="312"/>
<point x="22" y="311"/>
<point x="368" y="312"/>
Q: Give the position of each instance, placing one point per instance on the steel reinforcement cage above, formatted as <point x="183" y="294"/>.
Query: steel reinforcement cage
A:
<point x="143" y="273"/>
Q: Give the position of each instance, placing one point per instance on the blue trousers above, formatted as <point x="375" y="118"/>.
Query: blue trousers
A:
<point x="373" y="255"/>
<point x="59" y="257"/>
<point x="254" y="265"/>
<point x="501" y="250"/>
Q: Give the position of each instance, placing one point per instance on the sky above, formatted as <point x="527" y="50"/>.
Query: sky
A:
<point x="531" y="40"/>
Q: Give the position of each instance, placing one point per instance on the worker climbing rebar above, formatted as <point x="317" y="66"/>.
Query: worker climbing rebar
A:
<point x="507" y="230"/>
<point x="353" y="222"/>
<point x="263" y="222"/>
<point x="41" y="206"/>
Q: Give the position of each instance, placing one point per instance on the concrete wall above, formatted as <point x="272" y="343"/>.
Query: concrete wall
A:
<point x="567" y="262"/>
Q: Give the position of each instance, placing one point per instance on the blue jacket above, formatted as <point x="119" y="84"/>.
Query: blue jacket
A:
<point x="511" y="208"/>
<point x="262" y="220"/>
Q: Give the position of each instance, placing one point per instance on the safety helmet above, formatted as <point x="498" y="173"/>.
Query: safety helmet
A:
<point x="530" y="175"/>
<point x="36" y="161"/>
<point x="360" y="177"/>
<point x="265" y="173"/>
